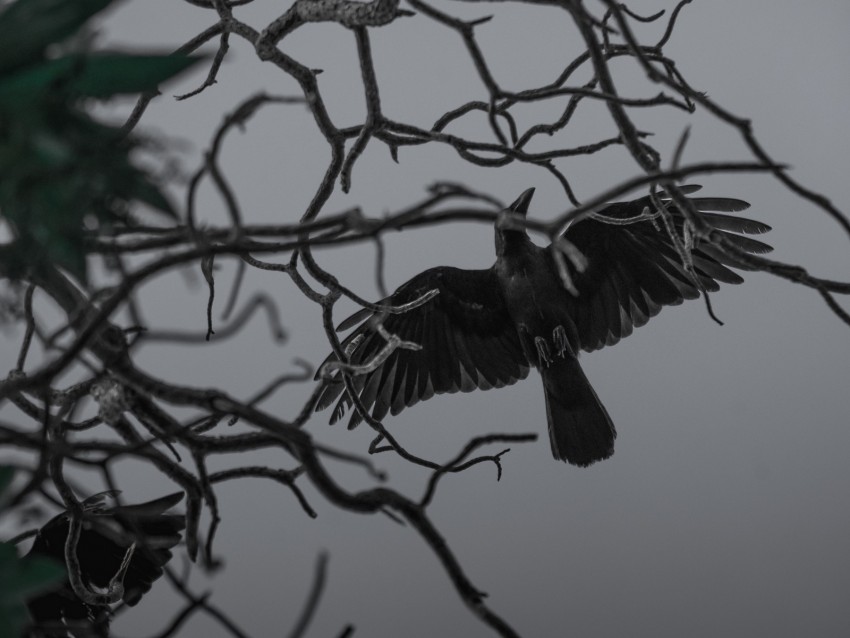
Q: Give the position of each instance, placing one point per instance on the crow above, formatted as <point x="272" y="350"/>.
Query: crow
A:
<point x="487" y="328"/>
<point x="105" y="536"/>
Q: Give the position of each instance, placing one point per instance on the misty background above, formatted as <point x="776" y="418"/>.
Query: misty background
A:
<point x="724" y="510"/>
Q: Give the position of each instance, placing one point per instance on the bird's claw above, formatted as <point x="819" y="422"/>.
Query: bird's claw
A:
<point x="543" y="353"/>
<point x="559" y="337"/>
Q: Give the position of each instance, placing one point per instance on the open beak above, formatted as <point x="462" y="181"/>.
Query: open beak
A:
<point x="521" y="204"/>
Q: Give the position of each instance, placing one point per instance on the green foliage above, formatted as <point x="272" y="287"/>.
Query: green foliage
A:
<point x="21" y="578"/>
<point x="60" y="170"/>
<point x="6" y="475"/>
<point x="28" y="27"/>
<point x="97" y="75"/>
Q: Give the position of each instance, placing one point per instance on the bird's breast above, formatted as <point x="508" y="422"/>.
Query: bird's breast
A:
<point x="532" y="290"/>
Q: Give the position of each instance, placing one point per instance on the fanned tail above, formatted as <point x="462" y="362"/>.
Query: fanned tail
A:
<point x="580" y="430"/>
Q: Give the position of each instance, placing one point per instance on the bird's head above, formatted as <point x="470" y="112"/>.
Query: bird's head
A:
<point x="520" y="205"/>
<point x="507" y="227"/>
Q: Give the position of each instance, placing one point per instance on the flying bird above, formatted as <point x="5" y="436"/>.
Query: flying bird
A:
<point x="105" y="537"/>
<point x="487" y="328"/>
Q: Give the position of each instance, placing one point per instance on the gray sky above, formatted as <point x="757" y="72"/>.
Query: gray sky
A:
<point x="724" y="509"/>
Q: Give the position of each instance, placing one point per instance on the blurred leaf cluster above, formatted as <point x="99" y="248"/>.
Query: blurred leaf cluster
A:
<point x="21" y="578"/>
<point x="62" y="171"/>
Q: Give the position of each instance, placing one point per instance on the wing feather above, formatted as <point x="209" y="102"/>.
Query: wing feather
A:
<point x="468" y="342"/>
<point x="634" y="269"/>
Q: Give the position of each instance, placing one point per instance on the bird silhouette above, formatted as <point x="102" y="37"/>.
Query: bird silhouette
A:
<point x="105" y="536"/>
<point x="487" y="328"/>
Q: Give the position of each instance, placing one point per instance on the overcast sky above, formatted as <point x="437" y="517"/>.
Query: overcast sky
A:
<point x="724" y="509"/>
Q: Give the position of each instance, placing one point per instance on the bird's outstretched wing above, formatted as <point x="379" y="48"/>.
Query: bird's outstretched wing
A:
<point x="634" y="269"/>
<point x="468" y="342"/>
<point x="103" y="542"/>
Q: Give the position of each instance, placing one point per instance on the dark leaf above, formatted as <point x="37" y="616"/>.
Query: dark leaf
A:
<point x="25" y="577"/>
<point x="13" y="619"/>
<point x="69" y="253"/>
<point x="63" y="249"/>
<point x="6" y="475"/>
<point x="107" y="74"/>
<point x="100" y="75"/>
<point x="34" y="81"/>
<point x="28" y="27"/>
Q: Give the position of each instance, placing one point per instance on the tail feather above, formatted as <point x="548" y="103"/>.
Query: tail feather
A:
<point x="580" y="430"/>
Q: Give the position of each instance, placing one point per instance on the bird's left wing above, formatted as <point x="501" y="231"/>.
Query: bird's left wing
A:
<point x="467" y="337"/>
<point x="634" y="269"/>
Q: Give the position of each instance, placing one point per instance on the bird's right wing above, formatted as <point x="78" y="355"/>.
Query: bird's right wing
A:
<point x="468" y="342"/>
